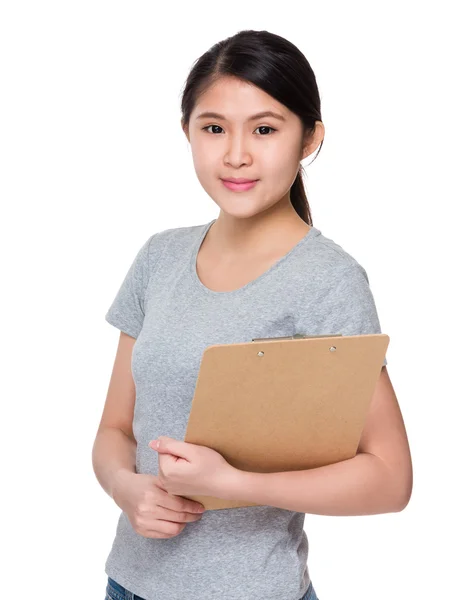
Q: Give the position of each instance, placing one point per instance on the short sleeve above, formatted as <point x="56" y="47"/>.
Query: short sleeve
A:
<point x="350" y="308"/>
<point x="127" y="309"/>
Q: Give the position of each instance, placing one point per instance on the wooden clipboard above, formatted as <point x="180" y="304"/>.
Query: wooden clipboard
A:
<point x="284" y="404"/>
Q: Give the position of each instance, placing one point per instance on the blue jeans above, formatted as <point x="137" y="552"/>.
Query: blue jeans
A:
<point x="115" y="591"/>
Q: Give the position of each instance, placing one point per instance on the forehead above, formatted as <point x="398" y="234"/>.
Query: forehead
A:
<point x="237" y="99"/>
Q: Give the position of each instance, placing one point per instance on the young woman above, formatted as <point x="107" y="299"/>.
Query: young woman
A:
<point x="251" y="112"/>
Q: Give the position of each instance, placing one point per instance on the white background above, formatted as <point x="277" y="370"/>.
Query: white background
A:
<point x="93" y="161"/>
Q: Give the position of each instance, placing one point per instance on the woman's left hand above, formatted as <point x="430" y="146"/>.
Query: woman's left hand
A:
<point x="190" y="469"/>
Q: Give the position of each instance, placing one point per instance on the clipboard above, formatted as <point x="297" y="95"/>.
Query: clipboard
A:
<point x="285" y="403"/>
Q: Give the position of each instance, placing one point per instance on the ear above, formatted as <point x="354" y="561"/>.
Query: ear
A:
<point x="185" y="128"/>
<point x="313" y="139"/>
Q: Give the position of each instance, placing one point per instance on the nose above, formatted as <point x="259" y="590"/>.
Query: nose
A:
<point x="237" y="153"/>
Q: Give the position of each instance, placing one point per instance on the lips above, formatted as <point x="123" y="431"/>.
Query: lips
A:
<point x="240" y="187"/>
<point x="239" y="180"/>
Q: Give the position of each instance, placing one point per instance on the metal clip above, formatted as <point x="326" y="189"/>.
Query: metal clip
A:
<point x="296" y="336"/>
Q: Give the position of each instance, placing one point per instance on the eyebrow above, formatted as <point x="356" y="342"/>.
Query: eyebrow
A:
<point x="260" y="115"/>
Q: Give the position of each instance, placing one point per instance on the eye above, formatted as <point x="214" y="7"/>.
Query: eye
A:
<point x="208" y="126"/>
<point x="266" y="127"/>
<point x="219" y="127"/>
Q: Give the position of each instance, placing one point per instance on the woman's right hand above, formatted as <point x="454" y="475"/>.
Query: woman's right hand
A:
<point x="151" y="510"/>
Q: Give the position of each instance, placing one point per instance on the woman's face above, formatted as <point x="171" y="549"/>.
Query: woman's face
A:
<point x="266" y="148"/>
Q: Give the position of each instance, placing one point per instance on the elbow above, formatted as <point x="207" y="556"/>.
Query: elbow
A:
<point x="404" y="496"/>
<point x="400" y="507"/>
<point x="404" y="500"/>
<point x="400" y="481"/>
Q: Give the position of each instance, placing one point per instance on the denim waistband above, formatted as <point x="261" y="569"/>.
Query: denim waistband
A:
<point x="118" y="592"/>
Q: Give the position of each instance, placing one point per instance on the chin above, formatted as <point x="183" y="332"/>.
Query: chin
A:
<point x="241" y="212"/>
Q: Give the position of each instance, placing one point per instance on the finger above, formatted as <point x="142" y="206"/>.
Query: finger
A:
<point x="154" y="444"/>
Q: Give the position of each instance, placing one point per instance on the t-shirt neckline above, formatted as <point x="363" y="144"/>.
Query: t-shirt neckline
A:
<point x="204" y="289"/>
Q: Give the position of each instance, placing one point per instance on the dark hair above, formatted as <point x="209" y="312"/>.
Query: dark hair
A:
<point x="273" y="64"/>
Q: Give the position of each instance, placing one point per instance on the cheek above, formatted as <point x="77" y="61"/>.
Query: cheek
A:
<point x="205" y="170"/>
<point x="278" y="158"/>
<point x="280" y="169"/>
<point x="204" y="161"/>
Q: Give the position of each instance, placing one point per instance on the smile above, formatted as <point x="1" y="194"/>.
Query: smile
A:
<point x="239" y="187"/>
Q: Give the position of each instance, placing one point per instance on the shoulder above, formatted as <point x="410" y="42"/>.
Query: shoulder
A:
<point x="331" y="261"/>
<point x="170" y="241"/>
<point x="174" y="235"/>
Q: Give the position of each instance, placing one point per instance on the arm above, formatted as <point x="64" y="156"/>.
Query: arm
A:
<point x="114" y="455"/>
<point x="377" y="480"/>
<point x="358" y="486"/>
<point x="114" y="449"/>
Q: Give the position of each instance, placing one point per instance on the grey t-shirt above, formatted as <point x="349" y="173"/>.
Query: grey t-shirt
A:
<point x="317" y="288"/>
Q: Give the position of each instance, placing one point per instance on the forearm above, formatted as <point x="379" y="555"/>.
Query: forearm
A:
<point x="114" y="454"/>
<point x="361" y="485"/>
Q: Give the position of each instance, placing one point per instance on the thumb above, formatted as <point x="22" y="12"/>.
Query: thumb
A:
<point x="168" y="445"/>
